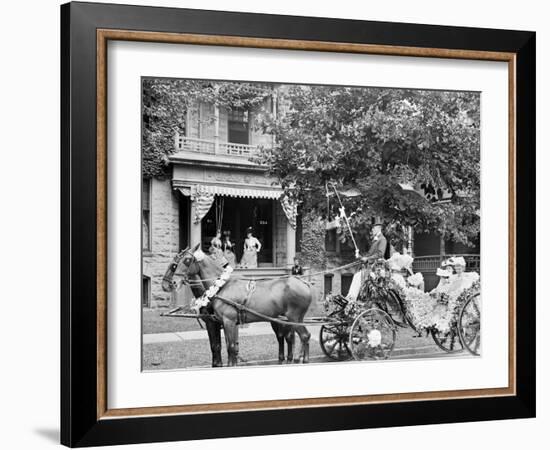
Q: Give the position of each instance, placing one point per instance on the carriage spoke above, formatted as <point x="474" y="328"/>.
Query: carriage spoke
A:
<point x="470" y="325"/>
<point x="332" y="339"/>
<point x="372" y="335"/>
<point x="333" y="346"/>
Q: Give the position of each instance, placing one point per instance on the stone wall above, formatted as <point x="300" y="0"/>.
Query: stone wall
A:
<point x="164" y="238"/>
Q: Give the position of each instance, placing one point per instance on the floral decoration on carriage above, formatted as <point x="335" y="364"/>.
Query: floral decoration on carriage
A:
<point x="387" y="295"/>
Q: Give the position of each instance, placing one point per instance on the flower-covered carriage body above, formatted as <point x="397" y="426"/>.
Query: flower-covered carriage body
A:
<point x="391" y="292"/>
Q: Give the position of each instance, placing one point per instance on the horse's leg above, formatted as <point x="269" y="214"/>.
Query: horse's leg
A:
<point x="279" y="332"/>
<point x="289" y="337"/>
<point x="216" y="343"/>
<point x="304" y="340"/>
<point x="215" y="347"/>
<point x="231" y="331"/>
<point x="218" y="339"/>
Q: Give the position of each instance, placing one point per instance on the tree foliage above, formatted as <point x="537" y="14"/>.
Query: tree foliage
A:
<point x="165" y="104"/>
<point x="376" y="141"/>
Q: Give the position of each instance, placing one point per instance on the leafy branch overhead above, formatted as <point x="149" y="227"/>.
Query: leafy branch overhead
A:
<point x="164" y="109"/>
<point x="379" y="140"/>
<point x="391" y="145"/>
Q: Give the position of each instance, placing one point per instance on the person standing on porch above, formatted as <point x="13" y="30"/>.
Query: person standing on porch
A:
<point x="251" y="248"/>
<point x="227" y="247"/>
<point x="216" y="249"/>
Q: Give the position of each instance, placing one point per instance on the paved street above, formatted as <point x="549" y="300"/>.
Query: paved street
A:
<point x="258" y="346"/>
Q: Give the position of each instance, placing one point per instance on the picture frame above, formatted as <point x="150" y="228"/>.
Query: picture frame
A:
<point x="86" y="418"/>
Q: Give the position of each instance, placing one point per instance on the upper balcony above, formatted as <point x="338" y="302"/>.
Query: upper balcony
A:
<point x="215" y="147"/>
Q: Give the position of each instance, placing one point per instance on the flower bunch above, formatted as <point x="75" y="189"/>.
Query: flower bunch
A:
<point x="334" y="302"/>
<point x="376" y="286"/>
<point x="352" y="309"/>
<point x="436" y="310"/>
<point x="416" y="280"/>
<point x="420" y="307"/>
<point x="204" y="299"/>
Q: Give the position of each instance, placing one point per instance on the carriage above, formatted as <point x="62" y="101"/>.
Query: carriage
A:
<point x="367" y="328"/>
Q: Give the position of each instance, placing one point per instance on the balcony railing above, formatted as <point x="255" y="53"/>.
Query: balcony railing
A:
<point x="212" y="147"/>
<point x="432" y="262"/>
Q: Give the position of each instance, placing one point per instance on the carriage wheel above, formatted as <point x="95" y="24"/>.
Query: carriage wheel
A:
<point x="449" y="342"/>
<point x="469" y="324"/>
<point x="333" y="339"/>
<point x="372" y="335"/>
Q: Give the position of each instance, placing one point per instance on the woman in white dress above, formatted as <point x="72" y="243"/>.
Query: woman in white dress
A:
<point x="251" y="248"/>
<point x="445" y="272"/>
<point x="461" y="280"/>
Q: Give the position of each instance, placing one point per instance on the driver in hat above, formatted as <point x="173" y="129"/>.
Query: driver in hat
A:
<point x="378" y="246"/>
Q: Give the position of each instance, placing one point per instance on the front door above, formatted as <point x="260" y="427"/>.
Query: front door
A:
<point x="238" y="215"/>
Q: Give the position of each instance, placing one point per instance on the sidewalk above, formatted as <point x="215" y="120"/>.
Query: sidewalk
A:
<point x="252" y="329"/>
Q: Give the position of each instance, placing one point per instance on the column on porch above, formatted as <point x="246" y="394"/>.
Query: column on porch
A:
<point x="290" y="243"/>
<point x="290" y="210"/>
<point x="195" y="233"/>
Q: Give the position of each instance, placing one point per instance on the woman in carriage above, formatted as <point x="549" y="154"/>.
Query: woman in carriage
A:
<point x="460" y="280"/>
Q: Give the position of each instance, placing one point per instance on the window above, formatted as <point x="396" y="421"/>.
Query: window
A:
<point x="146" y="214"/>
<point x="330" y="240"/>
<point x="238" y="126"/>
<point x="146" y="292"/>
<point x="206" y="121"/>
<point x="328" y="283"/>
<point x="346" y="283"/>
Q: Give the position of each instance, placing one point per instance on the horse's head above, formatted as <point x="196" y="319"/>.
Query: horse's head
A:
<point x="167" y="280"/>
<point x="190" y="259"/>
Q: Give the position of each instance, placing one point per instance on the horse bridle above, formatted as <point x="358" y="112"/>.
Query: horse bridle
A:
<point x="182" y="255"/>
<point x="168" y="277"/>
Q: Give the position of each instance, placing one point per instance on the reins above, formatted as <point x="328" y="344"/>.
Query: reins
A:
<point x="242" y="308"/>
<point x="282" y="277"/>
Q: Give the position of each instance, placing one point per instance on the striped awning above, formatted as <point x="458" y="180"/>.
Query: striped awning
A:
<point x="235" y="192"/>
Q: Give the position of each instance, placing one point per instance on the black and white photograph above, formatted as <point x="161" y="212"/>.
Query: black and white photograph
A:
<point x="297" y="223"/>
<point x="270" y="225"/>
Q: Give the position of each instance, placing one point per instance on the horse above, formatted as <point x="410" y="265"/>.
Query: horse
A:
<point x="213" y="326"/>
<point x="271" y="298"/>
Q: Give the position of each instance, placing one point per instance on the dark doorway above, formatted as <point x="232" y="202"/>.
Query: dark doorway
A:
<point x="347" y="278"/>
<point x="238" y="215"/>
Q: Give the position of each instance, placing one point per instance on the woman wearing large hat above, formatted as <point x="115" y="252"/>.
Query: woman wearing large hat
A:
<point x="461" y="279"/>
<point x="251" y="248"/>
